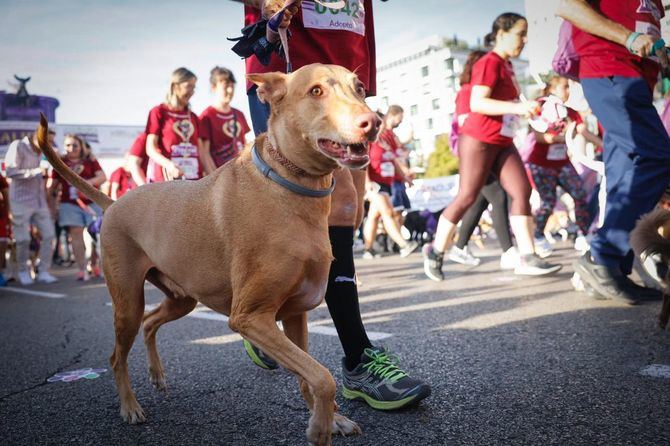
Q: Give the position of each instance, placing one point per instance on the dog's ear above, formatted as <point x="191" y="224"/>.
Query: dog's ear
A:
<point x="271" y="86"/>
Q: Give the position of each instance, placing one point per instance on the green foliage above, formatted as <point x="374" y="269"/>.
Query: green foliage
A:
<point x="441" y="162"/>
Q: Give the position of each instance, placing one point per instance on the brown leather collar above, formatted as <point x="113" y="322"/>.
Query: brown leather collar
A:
<point x="285" y="162"/>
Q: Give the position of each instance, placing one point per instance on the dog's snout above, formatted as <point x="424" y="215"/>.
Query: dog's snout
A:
<point x="369" y="124"/>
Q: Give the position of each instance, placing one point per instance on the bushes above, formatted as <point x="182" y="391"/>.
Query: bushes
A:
<point x="441" y="162"/>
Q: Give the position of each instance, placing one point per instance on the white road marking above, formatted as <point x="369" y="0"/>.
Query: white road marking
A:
<point x="33" y="293"/>
<point x="656" y="371"/>
<point x="201" y="313"/>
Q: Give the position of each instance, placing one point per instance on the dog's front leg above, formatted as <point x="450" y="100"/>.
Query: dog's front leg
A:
<point x="296" y="329"/>
<point x="262" y="331"/>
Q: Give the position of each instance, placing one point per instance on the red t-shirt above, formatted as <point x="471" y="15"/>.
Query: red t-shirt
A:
<point x="321" y="35"/>
<point x="176" y="130"/>
<point x="463" y="100"/>
<point x="86" y="169"/>
<point x="553" y="156"/>
<point x="382" y="153"/>
<point x="225" y="133"/>
<point x="498" y="74"/>
<point x="3" y="205"/>
<point x="123" y="179"/>
<point x="139" y="149"/>
<point x="602" y="58"/>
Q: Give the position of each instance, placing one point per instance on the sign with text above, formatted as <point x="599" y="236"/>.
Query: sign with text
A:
<point x="433" y="194"/>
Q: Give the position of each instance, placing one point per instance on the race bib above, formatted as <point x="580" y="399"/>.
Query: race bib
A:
<point x="185" y="157"/>
<point x="557" y="152"/>
<point x="350" y="18"/>
<point x="510" y="125"/>
<point x="387" y="169"/>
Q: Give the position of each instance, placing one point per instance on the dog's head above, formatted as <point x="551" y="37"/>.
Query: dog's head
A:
<point x="319" y="117"/>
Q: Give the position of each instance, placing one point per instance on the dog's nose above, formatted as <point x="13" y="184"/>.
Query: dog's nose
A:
<point x="369" y="124"/>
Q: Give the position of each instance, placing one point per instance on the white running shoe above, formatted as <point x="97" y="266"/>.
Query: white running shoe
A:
<point x="409" y="248"/>
<point x="45" y="277"/>
<point x="543" y="248"/>
<point x="509" y="259"/>
<point x="25" y="278"/>
<point x="463" y="256"/>
<point x="532" y="265"/>
<point x="581" y="244"/>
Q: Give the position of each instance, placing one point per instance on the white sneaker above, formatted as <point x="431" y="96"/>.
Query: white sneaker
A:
<point x="45" y="277"/>
<point x="25" y="278"/>
<point x="581" y="244"/>
<point x="463" y="256"/>
<point x="543" y="248"/>
<point x="533" y="265"/>
<point x="509" y="259"/>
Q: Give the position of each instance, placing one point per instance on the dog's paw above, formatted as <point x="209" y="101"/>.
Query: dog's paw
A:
<point x="158" y="381"/>
<point x="317" y="437"/>
<point x="133" y="413"/>
<point x="345" y="427"/>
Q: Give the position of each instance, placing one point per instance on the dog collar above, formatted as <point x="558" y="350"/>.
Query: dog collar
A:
<point x="270" y="173"/>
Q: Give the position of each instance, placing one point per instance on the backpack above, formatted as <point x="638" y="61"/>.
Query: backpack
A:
<point x="566" y="59"/>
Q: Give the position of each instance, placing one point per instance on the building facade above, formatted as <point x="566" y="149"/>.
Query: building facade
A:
<point x="423" y="78"/>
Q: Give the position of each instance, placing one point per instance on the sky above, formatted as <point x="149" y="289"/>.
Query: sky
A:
<point x="110" y="62"/>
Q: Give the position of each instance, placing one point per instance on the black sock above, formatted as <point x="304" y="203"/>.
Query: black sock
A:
<point x="342" y="296"/>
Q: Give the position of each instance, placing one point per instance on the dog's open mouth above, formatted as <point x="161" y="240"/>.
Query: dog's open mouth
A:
<point x="353" y="154"/>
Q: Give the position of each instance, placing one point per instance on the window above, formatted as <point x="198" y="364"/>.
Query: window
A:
<point x="424" y="71"/>
<point x="450" y="82"/>
<point x="449" y="64"/>
<point x="417" y="145"/>
<point x="436" y="104"/>
<point x="429" y="124"/>
<point x="414" y="110"/>
<point x="385" y="101"/>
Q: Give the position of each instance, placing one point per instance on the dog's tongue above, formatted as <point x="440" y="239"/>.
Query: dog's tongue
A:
<point x="332" y="146"/>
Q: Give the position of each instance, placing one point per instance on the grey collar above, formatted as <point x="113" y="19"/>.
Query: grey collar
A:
<point x="268" y="172"/>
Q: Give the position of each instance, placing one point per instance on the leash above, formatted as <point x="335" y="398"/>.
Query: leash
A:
<point x="270" y="173"/>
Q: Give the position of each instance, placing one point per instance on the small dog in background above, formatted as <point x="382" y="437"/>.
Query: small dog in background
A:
<point x="651" y="237"/>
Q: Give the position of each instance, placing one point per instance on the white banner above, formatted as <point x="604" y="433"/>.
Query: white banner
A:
<point x="109" y="142"/>
<point x="433" y="194"/>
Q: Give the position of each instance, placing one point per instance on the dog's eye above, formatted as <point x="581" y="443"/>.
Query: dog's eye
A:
<point x="360" y="90"/>
<point x="316" y="91"/>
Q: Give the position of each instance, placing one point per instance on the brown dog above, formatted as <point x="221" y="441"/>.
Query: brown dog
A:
<point x="652" y="236"/>
<point x="238" y="242"/>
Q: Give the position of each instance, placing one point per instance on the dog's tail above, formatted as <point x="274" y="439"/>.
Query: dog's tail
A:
<point x="645" y="239"/>
<point x="68" y="174"/>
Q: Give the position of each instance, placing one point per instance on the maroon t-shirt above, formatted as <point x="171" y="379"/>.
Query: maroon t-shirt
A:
<point x="382" y="153"/>
<point x="86" y="168"/>
<point x="498" y="74"/>
<point x="123" y="179"/>
<point x="139" y="149"/>
<point x="553" y="156"/>
<point x="175" y="129"/>
<point x="323" y="35"/>
<point x="602" y="58"/>
<point x="225" y="133"/>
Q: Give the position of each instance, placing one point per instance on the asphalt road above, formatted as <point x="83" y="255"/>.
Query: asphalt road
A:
<point x="510" y="361"/>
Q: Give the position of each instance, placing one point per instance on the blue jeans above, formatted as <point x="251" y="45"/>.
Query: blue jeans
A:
<point x="637" y="162"/>
<point x="260" y="112"/>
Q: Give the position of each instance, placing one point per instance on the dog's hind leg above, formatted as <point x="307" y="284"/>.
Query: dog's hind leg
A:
<point x="295" y="329"/>
<point x="261" y="330"/>
<point x="169" y="310"/>
<point x="125" y="281"/>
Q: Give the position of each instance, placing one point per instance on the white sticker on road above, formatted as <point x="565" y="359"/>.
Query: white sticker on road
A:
<point x="656" y="371"/>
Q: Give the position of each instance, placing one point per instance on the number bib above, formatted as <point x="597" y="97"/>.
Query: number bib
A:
<point x="185" y="157"/>
<point x="510" y="125"/>
<point x="350" y="18"/>
<point x="557" y="152"/>
<point x="387" y="169"/>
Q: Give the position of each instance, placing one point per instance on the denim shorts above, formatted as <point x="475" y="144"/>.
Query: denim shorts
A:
<point x="399" y="197"/>
<point x="72" y="215"/>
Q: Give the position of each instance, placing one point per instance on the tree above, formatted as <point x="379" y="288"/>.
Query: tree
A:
<point x="441" y="162"/>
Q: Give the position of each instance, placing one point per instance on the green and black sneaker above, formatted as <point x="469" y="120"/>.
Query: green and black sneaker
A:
<point x="258" y="357"/>
<point x="379" y="381"/>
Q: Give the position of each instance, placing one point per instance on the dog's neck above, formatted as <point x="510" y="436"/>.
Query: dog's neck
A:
<point x="285" y="162"/>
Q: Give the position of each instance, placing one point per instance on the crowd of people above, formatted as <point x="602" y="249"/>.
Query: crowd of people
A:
<point x="178" y="144"/>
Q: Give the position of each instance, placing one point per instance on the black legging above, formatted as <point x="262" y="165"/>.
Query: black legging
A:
<point x="492" y="193"/>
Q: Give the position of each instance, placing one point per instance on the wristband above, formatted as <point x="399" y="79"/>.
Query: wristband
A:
<point x="659" y="44"/>
<point x="629" y="41"/>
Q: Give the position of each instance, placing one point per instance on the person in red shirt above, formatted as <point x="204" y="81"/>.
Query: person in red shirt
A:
<point x="172" y="133"/>
<point x="222" y="128"/>
<point x="382" y="172"/>
<point x="620" y="53"/>
<point x="492" y="192"/>
<point x="486" y="146"/>
<point x="549" y="164"/>
<point x="76" y="212"/>
<point x="121" y="180"/>
<point x="4" y="226"/>
<point x="138" y="160"/>
<point x="343" y="38"/>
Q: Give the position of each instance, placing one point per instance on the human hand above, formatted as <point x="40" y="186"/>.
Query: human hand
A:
<point x="173" y="171"/>
<point x="528" y="109"/>
<point x="272" y="7"/>
<point x="642" y="45"/>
